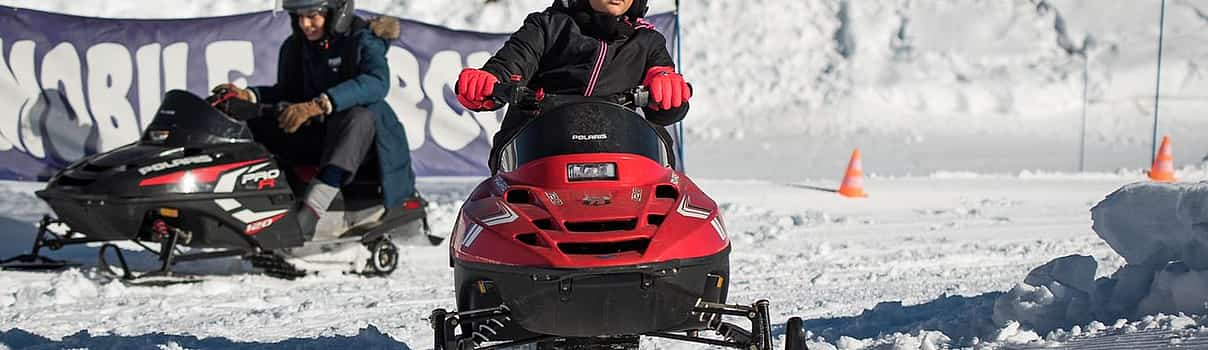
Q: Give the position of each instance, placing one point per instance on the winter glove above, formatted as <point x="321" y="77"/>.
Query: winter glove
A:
<point x="667" y="88"/>
<point x="385" y="27"/>
<point x="474" y="89"/>
<point x="242" y="94"/>
<point x="297" y="114"/>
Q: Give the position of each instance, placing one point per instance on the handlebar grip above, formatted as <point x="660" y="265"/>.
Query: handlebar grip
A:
<point x="506" y="93"/>
<point x="641" y="96"/>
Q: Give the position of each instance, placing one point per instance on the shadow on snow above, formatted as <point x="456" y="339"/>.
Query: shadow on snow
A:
<point x="959" y="317"/>
<point x="368" y="338"/>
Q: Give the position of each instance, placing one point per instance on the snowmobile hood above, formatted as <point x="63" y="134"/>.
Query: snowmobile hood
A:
<point x="535" y="217"/>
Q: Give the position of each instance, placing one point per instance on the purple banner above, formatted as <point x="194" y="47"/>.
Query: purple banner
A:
<point x="73" y="86"/>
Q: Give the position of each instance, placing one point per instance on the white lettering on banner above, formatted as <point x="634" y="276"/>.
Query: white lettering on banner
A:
<point x="147" y="59"/>
<point x="80" y="96"/>
<point x="110" y="75"/>
<point x="60" y="101"/>
<point x="404" y="100"/>
<point x="224" y="57"/>
<point x="62" y="76"/>
<point x="18" y="90"/>
<point x="176" y="68"/>
<point x="449" y="129"/>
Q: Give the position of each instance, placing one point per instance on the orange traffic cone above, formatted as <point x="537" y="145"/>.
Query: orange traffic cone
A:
<point x="1163" y="165"/>
<point x="853" y="181"/>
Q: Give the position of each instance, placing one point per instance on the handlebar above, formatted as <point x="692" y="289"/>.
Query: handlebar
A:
<point x="508" y="93"/>
<point x="241" y="110"/>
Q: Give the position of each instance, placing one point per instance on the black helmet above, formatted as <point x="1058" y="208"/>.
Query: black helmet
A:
<point x="339" y="12"/>
<point x="638" y="10"/>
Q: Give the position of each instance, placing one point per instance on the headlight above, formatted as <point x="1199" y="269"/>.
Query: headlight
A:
<point x="157" y="136"/>
<point x="591" y="171"/>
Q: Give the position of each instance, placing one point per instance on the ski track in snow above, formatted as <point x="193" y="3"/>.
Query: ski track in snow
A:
<point x="919" y="254"/>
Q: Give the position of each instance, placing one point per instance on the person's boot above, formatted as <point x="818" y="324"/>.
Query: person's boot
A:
<point x="313" y="206"/>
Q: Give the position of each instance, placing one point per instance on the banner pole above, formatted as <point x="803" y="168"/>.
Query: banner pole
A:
<point x="1157" y="90"/>
<point x="679" y="63"/>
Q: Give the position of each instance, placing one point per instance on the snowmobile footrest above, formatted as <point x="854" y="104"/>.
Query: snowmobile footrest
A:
<point x="445" y="325"/>
<point x="35" y="261"/>
<point x="30" y="262"/>
<point x="759" y="337"/>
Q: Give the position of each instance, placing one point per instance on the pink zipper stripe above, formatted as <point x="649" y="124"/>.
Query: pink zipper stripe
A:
<point x="595" y="72"/>
<point x="642" y="24"/>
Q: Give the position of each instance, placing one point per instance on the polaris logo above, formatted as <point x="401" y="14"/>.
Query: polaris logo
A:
<point x="178" y="162"/>
<point x="595" y="137"/>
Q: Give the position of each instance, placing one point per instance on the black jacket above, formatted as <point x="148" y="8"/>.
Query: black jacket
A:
<point x="552" y="51"/>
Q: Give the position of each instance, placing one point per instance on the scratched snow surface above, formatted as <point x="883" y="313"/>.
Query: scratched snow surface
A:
<point x="920" y="261"/>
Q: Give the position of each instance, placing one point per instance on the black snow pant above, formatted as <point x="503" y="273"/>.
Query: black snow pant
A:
<point x="341" y="140"/>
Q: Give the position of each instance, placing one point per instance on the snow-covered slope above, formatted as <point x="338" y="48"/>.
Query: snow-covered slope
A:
<point x="920" y="260"/>
<point x="920" y="86"/>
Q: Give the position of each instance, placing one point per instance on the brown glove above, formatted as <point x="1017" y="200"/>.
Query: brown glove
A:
<point x="242" y="94"/>
<point x="297" y="114"/>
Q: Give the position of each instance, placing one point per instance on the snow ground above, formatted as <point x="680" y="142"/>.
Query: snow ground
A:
<point x="923" y="253"/>
<point x="966" y="87"/>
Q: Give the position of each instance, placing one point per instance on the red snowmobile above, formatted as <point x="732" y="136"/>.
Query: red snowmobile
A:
<point x="588" y="238"/>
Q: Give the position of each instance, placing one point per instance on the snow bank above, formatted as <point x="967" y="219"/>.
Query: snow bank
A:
<point x="1161" y="230"/>
<point x="919" y="340"/>
<point x="1153" y="223"/>
<point x="1159" y="299"/>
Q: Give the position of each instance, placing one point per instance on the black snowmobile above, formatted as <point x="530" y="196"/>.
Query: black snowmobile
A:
<point x="197" y="178"/>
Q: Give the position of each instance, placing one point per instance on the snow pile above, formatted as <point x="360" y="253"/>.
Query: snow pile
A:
<point x="1152" y="223"/>
<point x="1161" y="230"/>
<point x="919" y="340"/>
<point x="1052" y="296"/>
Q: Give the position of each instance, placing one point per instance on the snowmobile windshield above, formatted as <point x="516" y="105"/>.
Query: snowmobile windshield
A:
<point x="585" y="127"/>
<point x="184" y="119"/>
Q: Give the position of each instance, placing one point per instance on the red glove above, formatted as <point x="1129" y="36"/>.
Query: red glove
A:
<point x="667" y="88"/>
<point x="474" y="89"/>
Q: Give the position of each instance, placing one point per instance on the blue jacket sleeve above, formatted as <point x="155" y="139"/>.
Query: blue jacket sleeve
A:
<point x="372" y="84"/>
<point x="271" y="94"/>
